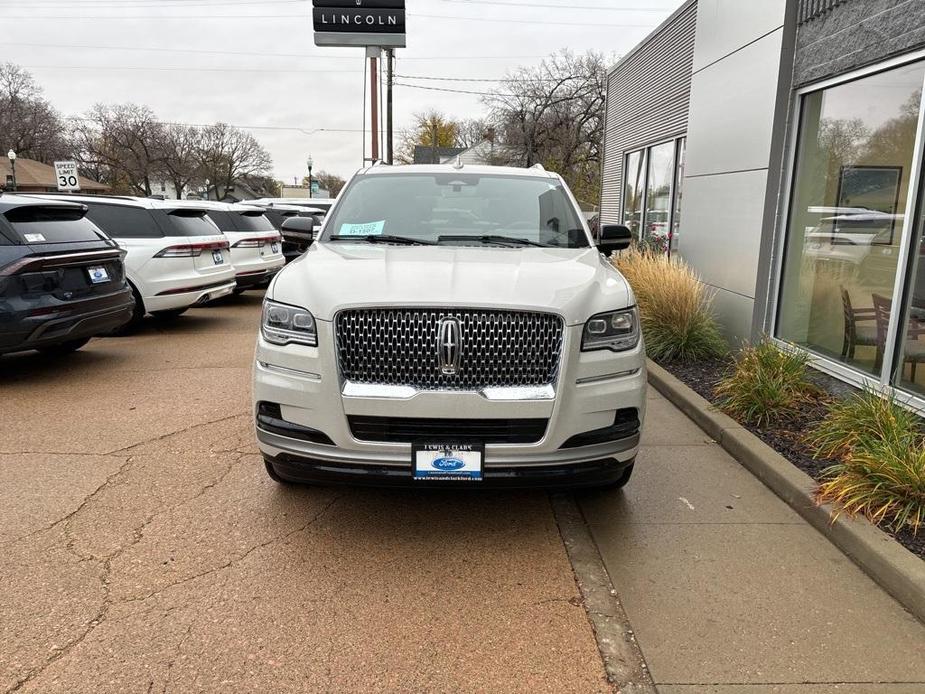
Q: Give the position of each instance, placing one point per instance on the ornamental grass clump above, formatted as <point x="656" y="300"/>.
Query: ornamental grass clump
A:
<point x="675" y="307"/>
<point x="860" y="422"/>
<point x="880" y="469"/>
<point x="883" y="480"/>
<point x="766" y="384"/>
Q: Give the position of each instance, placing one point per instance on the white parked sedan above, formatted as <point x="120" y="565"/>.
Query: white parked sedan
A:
<point x="175" y="256"/>
<point x="256" y="245"/>
<point x="452" y="325"/>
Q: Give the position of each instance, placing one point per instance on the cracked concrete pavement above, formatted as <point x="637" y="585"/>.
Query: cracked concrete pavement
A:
<point x="145" y="549"/>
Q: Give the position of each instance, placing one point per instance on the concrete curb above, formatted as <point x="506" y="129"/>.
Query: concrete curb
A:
<point x="892" y="566"/>
<point x="623" y="662"/>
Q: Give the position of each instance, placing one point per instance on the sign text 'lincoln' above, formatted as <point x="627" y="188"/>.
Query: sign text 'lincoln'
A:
<point x="359" y="20"/>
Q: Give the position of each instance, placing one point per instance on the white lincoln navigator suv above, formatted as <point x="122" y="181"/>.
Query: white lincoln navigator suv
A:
<point x="452" y="325"/>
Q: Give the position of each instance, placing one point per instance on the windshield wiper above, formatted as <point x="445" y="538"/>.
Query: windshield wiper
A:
<point x="384" y="238"/>
<point x="493" y="238"/>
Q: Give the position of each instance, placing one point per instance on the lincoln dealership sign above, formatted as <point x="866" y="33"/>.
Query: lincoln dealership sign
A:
<point x="359" y="23"/>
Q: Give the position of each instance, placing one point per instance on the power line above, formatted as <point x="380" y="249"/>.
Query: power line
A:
<point x="446" y="89"/>
<point x="560" y="7"/>
<point x="155" y="49"/>
<point x="123" y="4"/>
<point x="493" y="20"/>
<point x="290" y="128"/>
<point x="253" y="17"/>
<point x="142" y="68"/>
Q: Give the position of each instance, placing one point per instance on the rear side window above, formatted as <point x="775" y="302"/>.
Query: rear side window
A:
<point x="253" y="221"/>
<point x="191" y="223"/>
<point x="124" y="222"/>
<point x="52" y="224"/>
<point x="223" y="220"/>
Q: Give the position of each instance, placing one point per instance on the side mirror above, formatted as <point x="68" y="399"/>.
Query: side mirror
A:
<point x="300" y="229"/>
<point x="614" y="237"/>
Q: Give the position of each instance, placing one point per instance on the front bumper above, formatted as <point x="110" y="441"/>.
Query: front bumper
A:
<point x="563" y="476"/>
<point x="591" y="387"/>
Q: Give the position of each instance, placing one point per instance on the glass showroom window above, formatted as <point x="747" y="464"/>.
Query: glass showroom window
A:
<point x="678" y="186"/>
<point x="658" y="195"/>
<point x="846" y="220"/>
<point x="634" y="181"/>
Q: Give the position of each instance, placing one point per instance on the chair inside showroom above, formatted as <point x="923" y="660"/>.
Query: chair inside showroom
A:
<point x="860" y="327"/>
<point x="914" y="350"/>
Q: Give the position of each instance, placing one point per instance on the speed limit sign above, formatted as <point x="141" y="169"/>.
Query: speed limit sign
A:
<point x="66" y="174"/>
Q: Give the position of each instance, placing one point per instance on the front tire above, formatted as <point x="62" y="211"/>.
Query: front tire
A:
<point x="63" y="348"/>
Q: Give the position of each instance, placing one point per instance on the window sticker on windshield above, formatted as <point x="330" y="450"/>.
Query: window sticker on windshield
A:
<point x="365" y="229"/>
<point x="34" y="238"/>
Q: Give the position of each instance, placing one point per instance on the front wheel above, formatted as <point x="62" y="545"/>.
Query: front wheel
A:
<point x="63" y="348"/>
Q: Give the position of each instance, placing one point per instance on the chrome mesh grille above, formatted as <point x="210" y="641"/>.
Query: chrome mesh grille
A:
<point x="497" y="348"/>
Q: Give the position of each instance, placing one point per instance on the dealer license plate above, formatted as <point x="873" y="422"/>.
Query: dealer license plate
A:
<point x="461" y="462"/>
<point x="98" y="275"/>
<point x="218" y="257"/>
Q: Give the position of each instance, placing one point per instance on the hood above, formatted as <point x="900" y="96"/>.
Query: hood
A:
<point x="575" y="283"/>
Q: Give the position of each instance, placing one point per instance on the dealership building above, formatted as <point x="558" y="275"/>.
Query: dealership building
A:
<point x="777" y="146"/>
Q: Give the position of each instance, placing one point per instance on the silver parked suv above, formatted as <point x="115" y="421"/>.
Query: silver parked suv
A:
<point x="452" y="326"/>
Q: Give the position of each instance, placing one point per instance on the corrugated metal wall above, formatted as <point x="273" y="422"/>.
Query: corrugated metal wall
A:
<point x="648" y="94"/>
<point x="811" y="9"/>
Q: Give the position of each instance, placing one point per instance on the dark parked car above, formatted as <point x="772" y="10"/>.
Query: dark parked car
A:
<point x="62" y="280"/>
<point x="295" y="241"/>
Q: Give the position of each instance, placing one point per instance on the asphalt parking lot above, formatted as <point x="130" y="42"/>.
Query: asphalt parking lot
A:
<point x="145" y="549"/>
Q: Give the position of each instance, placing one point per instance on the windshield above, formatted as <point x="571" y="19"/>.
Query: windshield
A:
<point x="458" y="209"/>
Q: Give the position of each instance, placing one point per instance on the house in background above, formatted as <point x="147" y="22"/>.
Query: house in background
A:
<point x="35" y="177"/>
<point x="795" y="130"/>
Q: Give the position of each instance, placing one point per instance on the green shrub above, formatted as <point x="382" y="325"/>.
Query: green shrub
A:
<point x="860" y="422"/>
<point x="766" y="384"/>
<point x="674" y="305"/>
<point x="883" y="480"/>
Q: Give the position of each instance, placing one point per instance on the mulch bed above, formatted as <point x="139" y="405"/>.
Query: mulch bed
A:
<point x="785" y="437"/>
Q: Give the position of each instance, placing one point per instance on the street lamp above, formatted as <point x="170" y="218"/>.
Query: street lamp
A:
<point x="310" y="162"/>
<point x="11" y="155"/>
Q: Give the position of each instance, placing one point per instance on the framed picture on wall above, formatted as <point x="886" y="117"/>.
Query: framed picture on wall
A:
<point x="869" y="199"/>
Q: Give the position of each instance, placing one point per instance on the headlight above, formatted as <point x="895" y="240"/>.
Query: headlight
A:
<point x="283" y="324"/>
<point x="614" y="330"/>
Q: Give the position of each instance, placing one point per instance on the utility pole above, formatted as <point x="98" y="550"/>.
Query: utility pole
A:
<point x="390" y="58"/>
<point x="433" y="143"/>
<point x="373" y="54"/>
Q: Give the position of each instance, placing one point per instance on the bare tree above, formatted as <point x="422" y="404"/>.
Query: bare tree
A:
<point x="330" y="182"/>
<point x="122" y="145"/>
<point x="29" y="125"/>
<point x="180" y="147"/>
<point x="228" y="154"/>
<point x="553" y="114"/>
<point x="473" y="131"/>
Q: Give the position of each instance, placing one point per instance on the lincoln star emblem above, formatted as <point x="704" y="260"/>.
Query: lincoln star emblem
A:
<point x="449" y="342"/>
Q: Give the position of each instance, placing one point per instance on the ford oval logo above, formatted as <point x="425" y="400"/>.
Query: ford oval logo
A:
<point x="448" y="464"/>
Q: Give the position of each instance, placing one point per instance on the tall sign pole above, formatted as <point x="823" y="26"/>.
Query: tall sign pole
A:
<point x="373" y="24"/>
<point x="390" y="57"/>
<point x="374" y="100"/>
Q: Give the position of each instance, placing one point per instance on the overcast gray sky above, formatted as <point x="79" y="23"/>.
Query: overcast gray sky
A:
<point x="253" y="62"/>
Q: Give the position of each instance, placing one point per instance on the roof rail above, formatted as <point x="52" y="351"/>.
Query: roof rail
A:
<point x="538" y="167"/>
